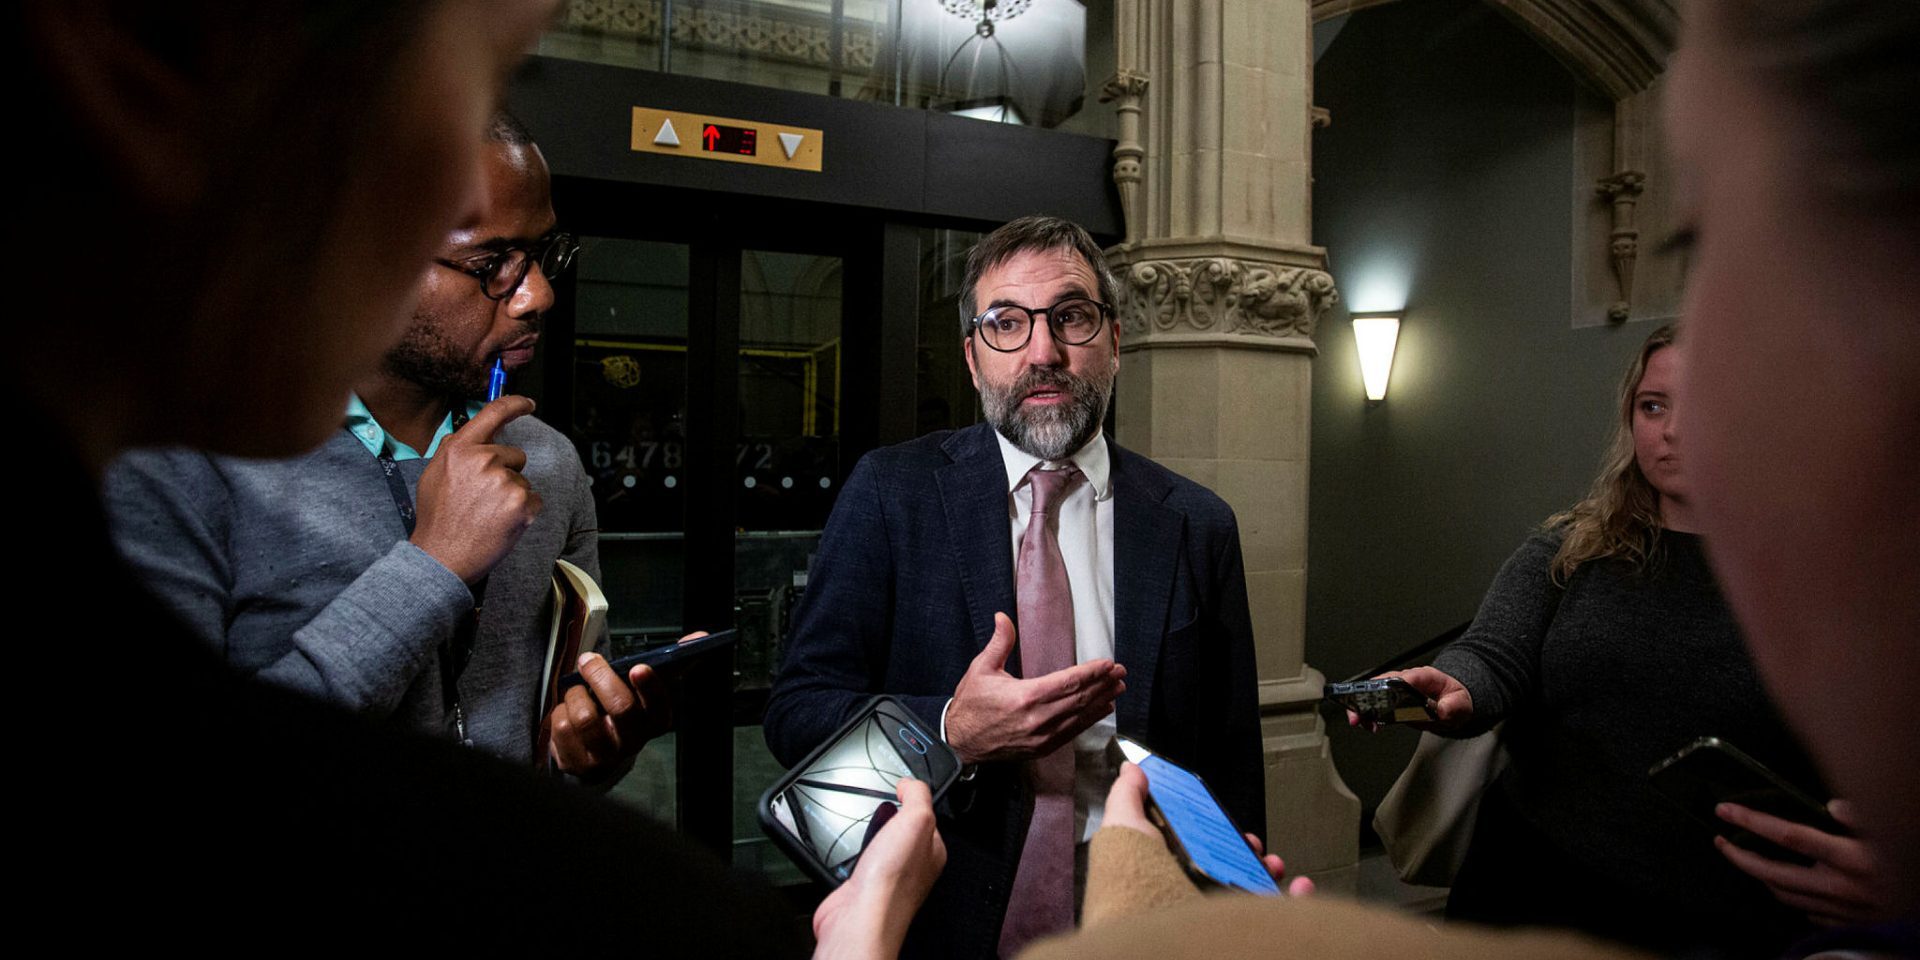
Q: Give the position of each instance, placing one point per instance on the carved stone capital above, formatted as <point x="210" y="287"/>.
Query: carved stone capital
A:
<point x="1122" y="86"/>
<point x="1223" y="295"/>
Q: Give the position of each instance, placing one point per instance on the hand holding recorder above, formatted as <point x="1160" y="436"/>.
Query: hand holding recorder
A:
<point x="1448" y="706"/>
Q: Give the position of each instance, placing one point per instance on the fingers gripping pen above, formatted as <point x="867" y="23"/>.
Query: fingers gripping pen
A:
<point x="497" y="381"/>
<point x="455" y="652"/>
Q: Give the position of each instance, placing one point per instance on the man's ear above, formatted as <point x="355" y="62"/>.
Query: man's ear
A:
<point x="966" y="347"/>
<point x="142" y="112"/>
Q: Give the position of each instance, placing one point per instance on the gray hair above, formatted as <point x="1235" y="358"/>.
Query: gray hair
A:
<point x="1023" y="235"/>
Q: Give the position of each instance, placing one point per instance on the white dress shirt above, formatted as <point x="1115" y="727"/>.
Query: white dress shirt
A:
<point x="1085" y="532"/>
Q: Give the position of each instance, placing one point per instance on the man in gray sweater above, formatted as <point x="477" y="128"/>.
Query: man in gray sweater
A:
<point x="402" y="569"/>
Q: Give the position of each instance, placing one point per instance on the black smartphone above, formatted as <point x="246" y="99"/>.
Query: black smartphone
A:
<point x="1710" y="771"/>
<point x="1387" y="700"/>
<point x="823" y="812"/>
<point x="662" y="657"/>
<point x="1202" y="836"/>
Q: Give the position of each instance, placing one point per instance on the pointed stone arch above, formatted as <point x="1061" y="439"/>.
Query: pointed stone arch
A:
<point x="1619" y="49"/>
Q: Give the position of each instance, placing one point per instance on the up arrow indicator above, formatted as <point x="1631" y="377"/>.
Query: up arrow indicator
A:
<point x="712" y="135"/>
<point x="790" y="142"/>
<point x="666" y="137"/>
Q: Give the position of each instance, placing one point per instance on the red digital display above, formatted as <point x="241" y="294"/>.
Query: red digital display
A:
<point x="715" y="138"/>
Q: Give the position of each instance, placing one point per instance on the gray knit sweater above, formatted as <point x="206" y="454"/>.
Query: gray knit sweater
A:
<point x="1600" y="680"/>
<point x="300" y="573"/>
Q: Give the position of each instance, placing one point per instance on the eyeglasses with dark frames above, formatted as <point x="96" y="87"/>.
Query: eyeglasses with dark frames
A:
<point x="1072" y="321"/>
<point x="501" y="273"/>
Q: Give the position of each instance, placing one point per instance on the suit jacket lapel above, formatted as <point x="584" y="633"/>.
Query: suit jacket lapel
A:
<point x="1146" y="554"/>
<point x="973" y="495"/>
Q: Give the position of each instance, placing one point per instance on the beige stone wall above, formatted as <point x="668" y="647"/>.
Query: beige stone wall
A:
<point x="1221" y="291"/>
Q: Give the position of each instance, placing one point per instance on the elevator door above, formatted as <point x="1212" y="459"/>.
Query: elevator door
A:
<point x="699" y="371"/>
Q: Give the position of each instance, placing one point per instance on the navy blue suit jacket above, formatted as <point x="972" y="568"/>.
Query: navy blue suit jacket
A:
<point x="913" y="565"/>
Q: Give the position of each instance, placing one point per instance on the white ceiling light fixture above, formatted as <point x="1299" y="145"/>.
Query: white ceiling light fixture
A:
<point x="998" y="107"/>
<point x="986" y="12"/>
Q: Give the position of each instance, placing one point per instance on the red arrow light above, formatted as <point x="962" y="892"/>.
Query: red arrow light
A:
<point x="720" y="138"/>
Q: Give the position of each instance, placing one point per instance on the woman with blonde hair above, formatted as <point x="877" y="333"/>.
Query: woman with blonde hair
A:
<point x="1621" y="515"/>
<point x="1605" y="645"/>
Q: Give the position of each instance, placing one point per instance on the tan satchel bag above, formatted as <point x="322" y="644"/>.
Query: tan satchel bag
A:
<point x="1426" y="820"/>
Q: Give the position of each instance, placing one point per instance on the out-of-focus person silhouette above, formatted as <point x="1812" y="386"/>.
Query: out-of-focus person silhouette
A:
<point x="428" y="611"/>
<point x="225" y="209"/>
<point x="1792" y="124"/>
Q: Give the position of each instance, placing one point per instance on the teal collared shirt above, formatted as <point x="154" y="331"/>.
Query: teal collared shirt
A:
<point x="373" y="436"/>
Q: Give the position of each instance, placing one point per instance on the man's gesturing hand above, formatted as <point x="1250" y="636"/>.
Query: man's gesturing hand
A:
<point x="997" y="716"/>
<point x="473" y="504"/>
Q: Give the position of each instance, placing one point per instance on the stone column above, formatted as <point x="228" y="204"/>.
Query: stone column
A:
<point x="1221" y="291"/>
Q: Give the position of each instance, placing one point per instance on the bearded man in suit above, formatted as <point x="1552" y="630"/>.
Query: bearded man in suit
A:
<point x="1120" y="582"/>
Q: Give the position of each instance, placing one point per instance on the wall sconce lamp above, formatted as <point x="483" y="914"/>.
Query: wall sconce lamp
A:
<point x="1375" y="335"/>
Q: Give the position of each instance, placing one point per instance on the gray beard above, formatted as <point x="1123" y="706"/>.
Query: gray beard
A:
<point x="1051" y="433"/>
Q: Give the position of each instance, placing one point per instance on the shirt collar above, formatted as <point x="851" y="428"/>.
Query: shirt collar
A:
<point x="1091" y="459"/>
<point x="374" y="437"/>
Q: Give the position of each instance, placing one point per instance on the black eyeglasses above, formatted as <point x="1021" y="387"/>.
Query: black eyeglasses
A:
<point x="500" y="274"/>
<point x="1073" y="321"/>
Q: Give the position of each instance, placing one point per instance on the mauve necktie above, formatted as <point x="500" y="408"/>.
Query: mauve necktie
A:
<point x="1042" y="899"/>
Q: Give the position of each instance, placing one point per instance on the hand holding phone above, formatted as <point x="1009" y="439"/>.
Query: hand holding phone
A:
<point x="826" y="810"/>
<point x="900" y="859"/>
<point x="1710" y="771"/>
<point x="1199" y="832"/>
<point x="1844" y="884"/>
<point x="597" y="726"/>
<point x="664" y="658"/>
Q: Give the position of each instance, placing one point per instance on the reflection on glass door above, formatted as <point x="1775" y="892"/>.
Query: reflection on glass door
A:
<point x="706" y="407"/>
<point x="787" y="474"/>
<point x="629" y="425"/>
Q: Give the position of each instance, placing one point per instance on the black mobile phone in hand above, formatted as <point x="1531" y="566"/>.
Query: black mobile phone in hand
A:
<point x="1710" y="771"/>
<point x="663" y="658"/>
<point x="825" y="810"/>
<point x="1200" y="833"/>
<point x="1386" y="700"/>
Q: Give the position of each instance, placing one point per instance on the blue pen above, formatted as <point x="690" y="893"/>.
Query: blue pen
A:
<point x="497" y="382"/>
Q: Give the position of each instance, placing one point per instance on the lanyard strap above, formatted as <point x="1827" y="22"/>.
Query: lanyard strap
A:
<point x="458" y="649"/>
<point x="397" y="488"/>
